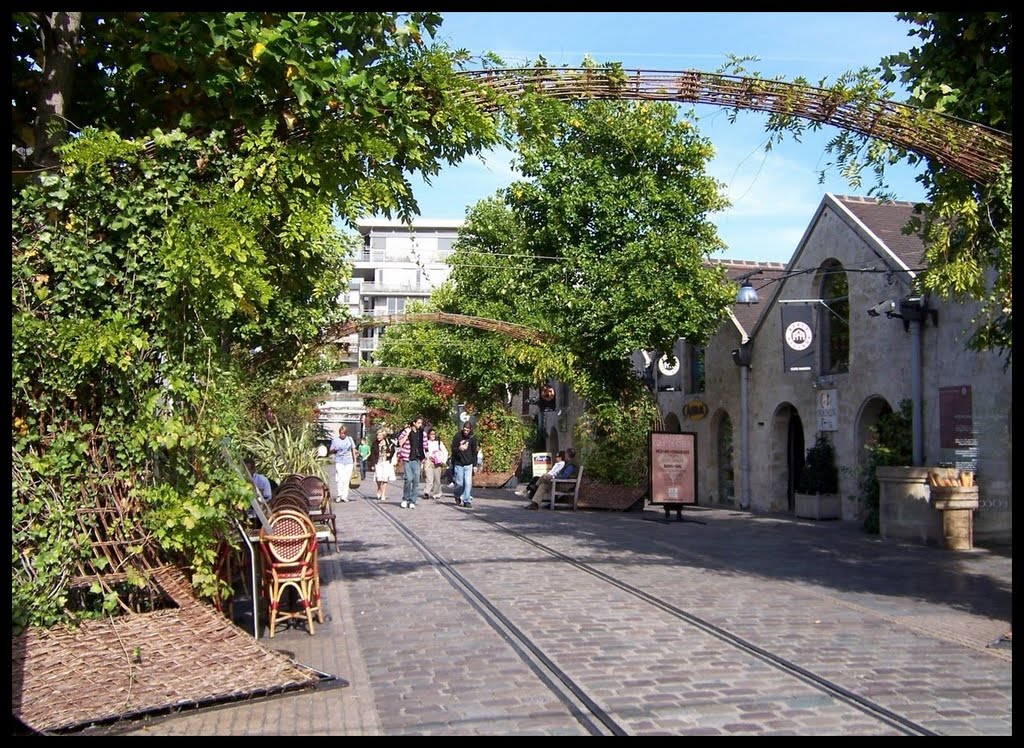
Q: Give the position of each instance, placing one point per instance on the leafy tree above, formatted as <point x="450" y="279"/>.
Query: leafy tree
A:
<point x="608" y="235"/>
<point x="964" y="68"/>
<point x="178" y="259"/>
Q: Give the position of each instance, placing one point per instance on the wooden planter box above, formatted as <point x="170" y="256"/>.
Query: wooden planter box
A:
<point x="491" y="480"/>
<point x="818" y="506"/>
<point x="605" y="496"/>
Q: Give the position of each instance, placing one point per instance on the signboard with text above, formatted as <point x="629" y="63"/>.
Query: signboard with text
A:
<point x="541" y="463"/>
<point x="828" y="410"/>
<point x="956" y="426"/>
<point x="673" y="468"/>
<point x="797" y="337"/>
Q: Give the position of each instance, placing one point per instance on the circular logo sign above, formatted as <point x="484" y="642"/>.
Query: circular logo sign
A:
<point x="799" y="336"/>
<point x="464" y="416"/>
<point x="695" y="410"/>
<point x="667" y="369"/>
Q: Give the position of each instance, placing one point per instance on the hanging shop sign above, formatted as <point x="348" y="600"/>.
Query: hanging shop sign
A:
<point x="797" y="337"/>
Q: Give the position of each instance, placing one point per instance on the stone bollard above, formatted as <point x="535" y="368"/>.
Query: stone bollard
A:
<point x="957" y="504"/>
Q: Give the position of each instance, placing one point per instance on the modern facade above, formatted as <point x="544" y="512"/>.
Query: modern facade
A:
<point x="395" y="265"/>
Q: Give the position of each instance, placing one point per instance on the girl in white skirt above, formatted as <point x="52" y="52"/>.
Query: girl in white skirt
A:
<point x="384" y="468"/>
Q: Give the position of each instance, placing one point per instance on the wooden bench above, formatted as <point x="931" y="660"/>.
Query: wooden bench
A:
<point x="566" y="490"/>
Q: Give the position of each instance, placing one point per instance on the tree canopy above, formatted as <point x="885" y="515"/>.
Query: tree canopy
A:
<point x="604" y="242"/>
<point x="175" y="254"/>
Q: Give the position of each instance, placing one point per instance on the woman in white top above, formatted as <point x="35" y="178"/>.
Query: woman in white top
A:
<point x="436" y="459"/>
<point x="384" y="468"/>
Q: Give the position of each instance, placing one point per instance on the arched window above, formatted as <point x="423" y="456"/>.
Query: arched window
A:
<point x="834" y="319"/>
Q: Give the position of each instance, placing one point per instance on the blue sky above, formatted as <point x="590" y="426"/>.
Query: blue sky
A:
<point x="774" y="194"/>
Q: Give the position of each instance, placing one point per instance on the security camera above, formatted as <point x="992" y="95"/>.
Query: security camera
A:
<point x="883" y="307"/>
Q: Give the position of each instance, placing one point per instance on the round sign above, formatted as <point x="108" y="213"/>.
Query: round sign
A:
<point x="669" y="370"/>
<point x="695" y="410"/>
<point x="799" y="336"/>
<point x="464" y="416"/>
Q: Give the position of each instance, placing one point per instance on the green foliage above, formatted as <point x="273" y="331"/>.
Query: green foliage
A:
<point x="612" y="439"/>
<point x="608" y="234"/>
<point x="819" y="474"/>
<point x="181" y="262"/>
<point x="502" y="436"/>
<point x="893" y="440"/>
<point x="281" y="450"/>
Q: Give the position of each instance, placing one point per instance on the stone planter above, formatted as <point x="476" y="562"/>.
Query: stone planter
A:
<point x="904" y="507"/>
<point x="957" y="505"/>
<point x="818" y="506"/>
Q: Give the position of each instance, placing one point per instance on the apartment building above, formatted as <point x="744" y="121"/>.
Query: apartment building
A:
<point x="396" y="265"/>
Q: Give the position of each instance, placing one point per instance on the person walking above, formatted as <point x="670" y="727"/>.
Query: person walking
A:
<point x="364" y="456"/>
<point x="412" y="445"/>
<point x="568" y="470"/>
<point x="383" y="467"/>
<point x="344" y="451"/>
<point x="464" y="449"/>
<point x="437" y="458"/>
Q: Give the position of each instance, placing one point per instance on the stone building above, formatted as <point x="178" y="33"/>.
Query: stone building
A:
<point x="873" y="344"/>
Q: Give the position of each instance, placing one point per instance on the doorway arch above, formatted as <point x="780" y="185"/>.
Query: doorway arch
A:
<point x="672" y="424"/>
<point x="723" y="435"/>
<point x="787" y="458"/>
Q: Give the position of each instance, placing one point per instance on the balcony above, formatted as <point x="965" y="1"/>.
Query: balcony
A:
<point x="395" y="289"/>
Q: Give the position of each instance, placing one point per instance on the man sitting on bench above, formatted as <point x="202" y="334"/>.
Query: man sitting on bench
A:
<point x="566" y="472"/>
<point x="531" y="487"/>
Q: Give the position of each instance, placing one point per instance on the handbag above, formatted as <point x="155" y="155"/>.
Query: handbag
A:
<point x="356" y="480"/>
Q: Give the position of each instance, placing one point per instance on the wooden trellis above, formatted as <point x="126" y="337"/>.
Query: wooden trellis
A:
<point x="507" y="329"/>
<point x="976" y="151"/>
<point x="349" y="371"/>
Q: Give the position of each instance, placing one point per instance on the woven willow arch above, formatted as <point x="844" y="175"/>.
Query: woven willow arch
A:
<point x="508" y="329"/>
<point x="976" y="151"/>
<point x="385" y="370"/>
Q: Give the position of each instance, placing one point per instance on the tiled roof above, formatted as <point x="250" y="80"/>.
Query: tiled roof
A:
<point x="886" y="221"/>
<point x="747" y="315"/>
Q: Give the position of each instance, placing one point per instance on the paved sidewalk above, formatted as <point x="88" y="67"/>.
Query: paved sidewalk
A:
<point x="905" y="626"/>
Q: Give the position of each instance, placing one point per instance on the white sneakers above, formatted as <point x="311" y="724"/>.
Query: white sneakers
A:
<point x="404" y="504"/>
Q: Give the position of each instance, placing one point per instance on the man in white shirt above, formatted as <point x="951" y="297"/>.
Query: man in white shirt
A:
<point x="260" y="482"/>
<point x="531" y="488"/>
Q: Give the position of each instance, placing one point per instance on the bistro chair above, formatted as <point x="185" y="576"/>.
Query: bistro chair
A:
<point x="296" y="502"/>
<point x="290" y="562"/>
<point x="319" y="498"/>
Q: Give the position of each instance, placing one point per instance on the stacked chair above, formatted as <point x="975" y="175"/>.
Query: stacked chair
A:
<point x="300" y="520"/>
<point x="290" y="562"/>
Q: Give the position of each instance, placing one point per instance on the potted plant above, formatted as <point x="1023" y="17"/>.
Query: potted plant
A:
<point x="817" y="489"/>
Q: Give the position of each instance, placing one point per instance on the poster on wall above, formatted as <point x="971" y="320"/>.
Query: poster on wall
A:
<point x="673" y="468"/>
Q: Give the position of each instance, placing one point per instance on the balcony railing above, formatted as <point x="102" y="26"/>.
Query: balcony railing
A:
<point x="408" y="289"/>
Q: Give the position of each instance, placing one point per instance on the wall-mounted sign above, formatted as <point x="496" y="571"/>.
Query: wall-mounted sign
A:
<point x="668" y="368"/>
<point x="695" y="410"/>
<point x="673" y="468"/>
<point x="828" y="410"/>
<point x="956" y="426"/>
